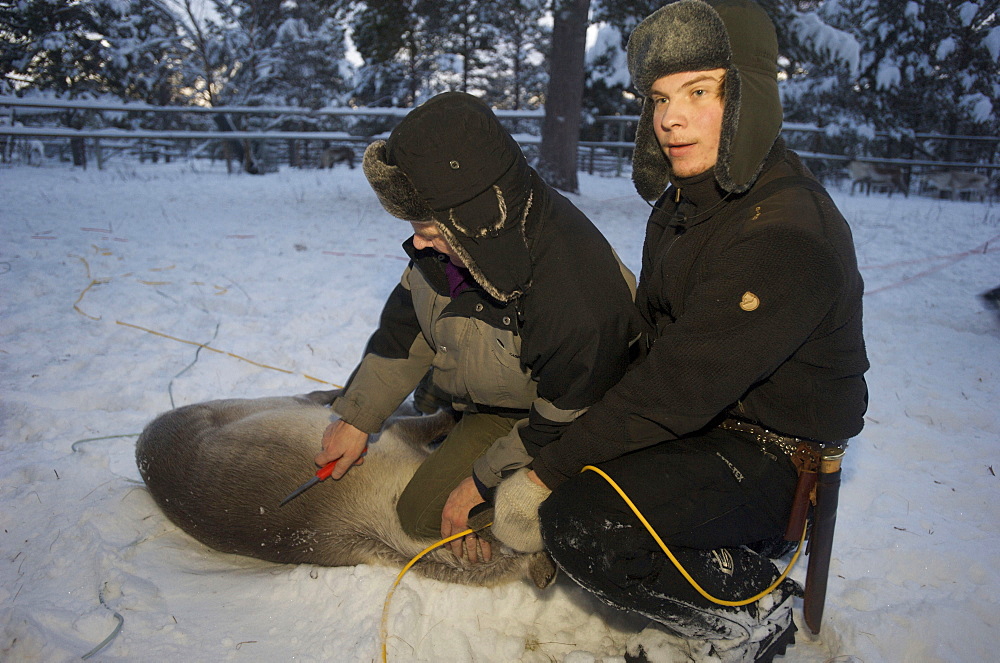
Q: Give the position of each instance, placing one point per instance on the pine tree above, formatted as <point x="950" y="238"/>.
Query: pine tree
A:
<point x="467" y="41"/>
<point x="89" y="49"/>
<point x="516" y="68"/>
<point x="917" y="66"/>
<point x="247" y="31"/>
<point x="143" y="50"/>
<point x="401" y="43"/>
<point x="307" y="63"/>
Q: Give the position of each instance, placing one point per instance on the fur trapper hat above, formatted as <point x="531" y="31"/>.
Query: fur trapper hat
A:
<point x="450" y="162"/>
<point x="695" y="35"/>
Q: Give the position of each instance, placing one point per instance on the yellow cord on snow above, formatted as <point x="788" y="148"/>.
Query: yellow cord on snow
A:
<point x="687" y="576"/>
<point x="384" y="631"/>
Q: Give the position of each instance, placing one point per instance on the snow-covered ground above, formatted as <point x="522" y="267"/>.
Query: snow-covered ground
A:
<point x="108" y="279"/>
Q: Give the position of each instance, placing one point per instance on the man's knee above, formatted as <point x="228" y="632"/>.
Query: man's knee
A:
<point x="570" y="522"/>
<point x="559" y="507"/>
<point x="416" y="518"/>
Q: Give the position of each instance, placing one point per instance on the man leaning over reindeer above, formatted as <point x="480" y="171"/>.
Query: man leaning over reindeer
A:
<point x="513" y="304"/>
<point x="753" y="345"/>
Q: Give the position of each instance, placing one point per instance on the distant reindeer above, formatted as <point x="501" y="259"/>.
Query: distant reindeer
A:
<point x="331" y="156"/>
<point x="239" y="150"/>
<point x="219" y="470"/>
<point x="958" y="184"/>
<point x="33" y="152"/>
<point x="866" y="175"/>
<point x="25" y="150"/>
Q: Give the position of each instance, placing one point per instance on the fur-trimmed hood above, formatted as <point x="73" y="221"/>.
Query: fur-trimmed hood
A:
<point x="451" y="163"/>
<point x="697" y="35"/>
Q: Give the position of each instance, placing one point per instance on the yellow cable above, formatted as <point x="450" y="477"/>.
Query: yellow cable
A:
<point x="384" y="629"/>
<point x="680" y="568"/>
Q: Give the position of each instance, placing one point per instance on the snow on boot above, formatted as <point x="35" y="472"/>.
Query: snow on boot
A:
<point x="771" y="630"/>
<point x="767" y="631"/>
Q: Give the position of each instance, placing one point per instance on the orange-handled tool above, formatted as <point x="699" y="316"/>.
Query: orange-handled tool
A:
<point x="322" y="474"/>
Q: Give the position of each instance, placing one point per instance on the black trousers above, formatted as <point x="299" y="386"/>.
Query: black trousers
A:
<point x="717" y="500"/>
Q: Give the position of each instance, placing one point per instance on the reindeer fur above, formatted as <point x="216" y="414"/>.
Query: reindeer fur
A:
<point x="219" y="469"/>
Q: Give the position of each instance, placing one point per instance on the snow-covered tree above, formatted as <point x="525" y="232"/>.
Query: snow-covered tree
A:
<point x="467" y="40"/>
<point x="608" y="85"/>
<point x="88" y="49"/>
<point x="402" y="45"/>
<point x="516" y="67"/>
<point x="254" y="52"/>
<point x="143" y="52"/>
<point x="247" y="31"/>
<point x="900" y="67"/>
<point x="307" y="66"/>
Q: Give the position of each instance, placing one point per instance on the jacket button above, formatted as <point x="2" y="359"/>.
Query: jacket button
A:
<point x="479" y="308"/>
<point x="506" y="320"/>
<point x="444" y="348"/>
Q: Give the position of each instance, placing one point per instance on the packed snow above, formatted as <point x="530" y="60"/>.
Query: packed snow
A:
<point x="111" y="279"/>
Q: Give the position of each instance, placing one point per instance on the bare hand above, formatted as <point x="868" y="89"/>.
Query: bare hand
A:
<point x="455" y="518"/>
<point x="345" y="444"/>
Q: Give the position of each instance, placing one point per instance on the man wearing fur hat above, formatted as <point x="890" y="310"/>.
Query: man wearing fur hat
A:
<point x="513" y="302"/>
<point x="752" y="299"/>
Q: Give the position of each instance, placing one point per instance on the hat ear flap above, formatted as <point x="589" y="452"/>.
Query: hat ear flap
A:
<point x="650" y="167"/>
<point x="394" y="190"/>
<point x="724" y="165"/>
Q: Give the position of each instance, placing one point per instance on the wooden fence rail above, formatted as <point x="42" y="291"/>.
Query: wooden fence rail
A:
<point x="604" y="156"/>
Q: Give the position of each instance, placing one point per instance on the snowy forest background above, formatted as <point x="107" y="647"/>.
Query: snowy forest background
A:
<point x="862" y="70"/>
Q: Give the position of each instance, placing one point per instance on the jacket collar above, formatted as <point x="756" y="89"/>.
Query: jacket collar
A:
<point x="698" y="198"/>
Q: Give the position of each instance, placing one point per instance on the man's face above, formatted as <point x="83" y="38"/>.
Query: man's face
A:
<point x="687" y="119"/>
<point x="427" y="236"/>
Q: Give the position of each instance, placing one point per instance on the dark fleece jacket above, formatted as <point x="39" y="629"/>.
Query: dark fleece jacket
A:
<point x="754" y="311"/>
<point x="752" y="297"/>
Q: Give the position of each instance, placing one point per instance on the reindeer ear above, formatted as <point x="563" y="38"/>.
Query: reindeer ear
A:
<point x="542" y="570"/>
<point x="394" y="190"/>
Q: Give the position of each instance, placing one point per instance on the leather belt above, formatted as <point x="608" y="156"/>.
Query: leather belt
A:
<point x="786" y="443"/>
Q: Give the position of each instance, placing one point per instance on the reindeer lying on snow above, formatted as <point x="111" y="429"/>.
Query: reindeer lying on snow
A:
<point x="219" y="470"/>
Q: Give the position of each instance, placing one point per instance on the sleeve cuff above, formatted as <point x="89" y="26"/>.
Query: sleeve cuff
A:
<point x="548" y="477"/>
<point x="485" y="492"/>
<point x="354" y="414"/>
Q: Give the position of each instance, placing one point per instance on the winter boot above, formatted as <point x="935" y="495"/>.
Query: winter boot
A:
<point x="767" y="625"/>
